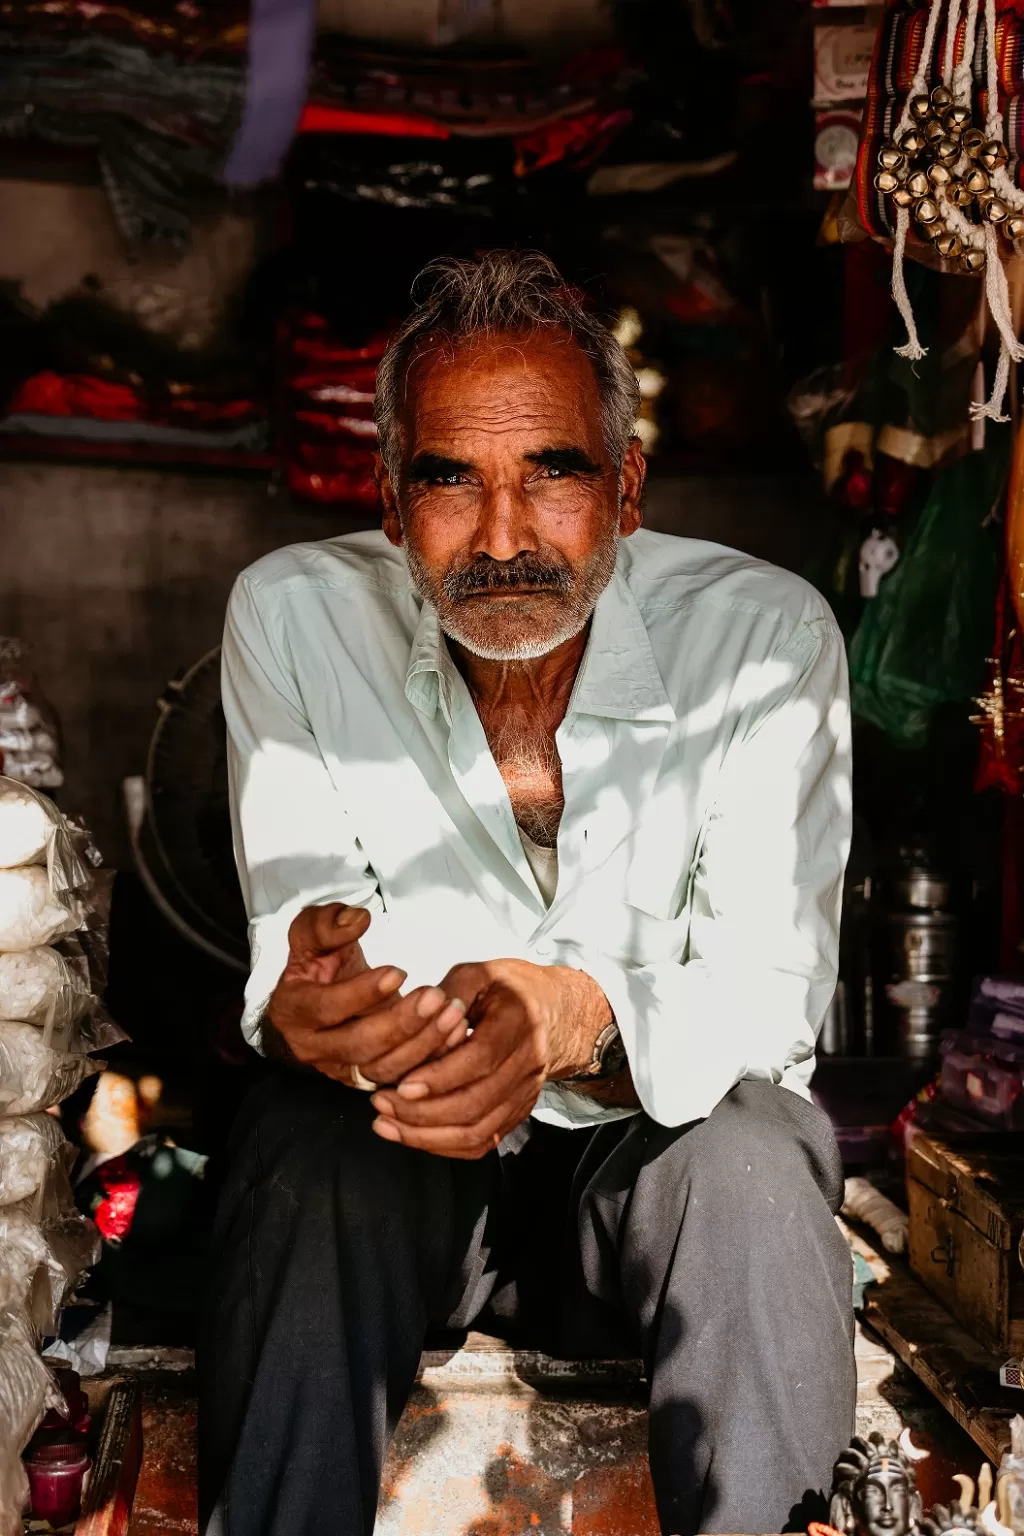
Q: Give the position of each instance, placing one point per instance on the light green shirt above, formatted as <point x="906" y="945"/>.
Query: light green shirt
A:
<point x="706" y="773"/>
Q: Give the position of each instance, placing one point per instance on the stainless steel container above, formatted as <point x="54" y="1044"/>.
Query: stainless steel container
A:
<point x="916" y="952"/>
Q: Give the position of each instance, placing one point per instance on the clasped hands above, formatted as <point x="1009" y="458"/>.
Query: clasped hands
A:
<point x="459" y="1064"/>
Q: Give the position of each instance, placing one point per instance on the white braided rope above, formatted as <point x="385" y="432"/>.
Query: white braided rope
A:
<point x="912" y="347"/>
<point x="962" y="75"/>
<point x="992" y="408"/>
<point x="952" y="22"/>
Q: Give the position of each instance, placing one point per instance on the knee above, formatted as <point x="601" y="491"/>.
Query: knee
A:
<point x="297" y="1141"/>
<point x="764" y="1153"/>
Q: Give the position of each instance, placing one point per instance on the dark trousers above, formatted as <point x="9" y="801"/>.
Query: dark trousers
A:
<point x="709" y="1250"/>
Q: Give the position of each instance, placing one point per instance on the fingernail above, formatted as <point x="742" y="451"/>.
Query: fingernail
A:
<point x="346" y="916"/>
<point x="429" y="1002"/>
<point x="387" y="1129"/>
<point x="413" y="1090"/>
<point x="456" y="1037"/>
<point x="391" y="979"/>
<point x="454" y="1010"/>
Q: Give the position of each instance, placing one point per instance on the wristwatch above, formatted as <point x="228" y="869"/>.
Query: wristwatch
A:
<point x="609" y="1057"/>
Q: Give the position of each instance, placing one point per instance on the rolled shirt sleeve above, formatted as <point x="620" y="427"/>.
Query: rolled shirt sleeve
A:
<point x="759" y="971"/>
<point x="294" y="843"/>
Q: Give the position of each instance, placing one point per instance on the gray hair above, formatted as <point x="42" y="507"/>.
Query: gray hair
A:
<point x="502" y="293"/>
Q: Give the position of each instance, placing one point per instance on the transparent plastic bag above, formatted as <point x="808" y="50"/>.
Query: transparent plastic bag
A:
<point x="42" y="1263"/>
<point x="33" y="755"/>
<point x="27" y="1390"/>
<point x="52" y="991"/>
<point x="26" y="826"/>
<point x="34" y="1076"/>
<point x="31" y="911"/>
<point x="36" y="1160"/>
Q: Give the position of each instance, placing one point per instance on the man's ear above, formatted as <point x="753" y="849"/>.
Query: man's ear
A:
<point x="631" y="498"/>
<point x="391" y="522"/>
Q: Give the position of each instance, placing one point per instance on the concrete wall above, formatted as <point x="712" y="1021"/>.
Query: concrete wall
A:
<point x="118" y="580"/>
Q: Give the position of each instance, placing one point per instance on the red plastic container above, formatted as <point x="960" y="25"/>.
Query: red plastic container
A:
<point x="56" y="1474"/>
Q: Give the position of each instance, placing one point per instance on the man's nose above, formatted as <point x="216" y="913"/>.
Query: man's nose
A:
<point x="504" y="526"/>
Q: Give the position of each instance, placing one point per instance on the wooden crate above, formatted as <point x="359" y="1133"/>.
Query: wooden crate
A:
<point x="966" y="1197"/>
<point x="116" y="1449"/>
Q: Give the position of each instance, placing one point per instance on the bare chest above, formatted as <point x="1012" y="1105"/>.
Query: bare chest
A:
<point x="527" y="759"/>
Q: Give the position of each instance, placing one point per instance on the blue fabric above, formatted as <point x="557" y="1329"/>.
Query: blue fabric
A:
<point x="280" y="47"/>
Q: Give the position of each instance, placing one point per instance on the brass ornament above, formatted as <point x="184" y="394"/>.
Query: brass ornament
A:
<point x="946" y="151"/>
<point x="957" y="194"/>
<point x="934" y="231"/>
<point x="902" y="198"/>
<point x="887" y="182"/>
<point x="1013" y="229"/>
<point x="949" y="244"/>
<point x="995" y="210"/>
<point x="913" y="141"/>
<point x="920" y="108"/>
<point x="939" y="175"/>
<point x="976" y="181"/>
<point x="934" y="130"/>
<point x="973" y="260"/>
<point x="926" y="211"/>
<point x="973" y="142"/>
<point x="957" y="121"/>
<point x="918" y="184"/>
<point x="941" y="97"/>
<point x="993" y="155"/>
<point x="891" y="159"/>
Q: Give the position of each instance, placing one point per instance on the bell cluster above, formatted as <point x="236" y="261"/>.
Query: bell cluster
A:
<point x="941" y="157"/>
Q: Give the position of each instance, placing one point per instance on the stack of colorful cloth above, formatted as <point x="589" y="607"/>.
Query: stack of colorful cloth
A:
<point x="155" y="92"/>
<point x="327" y="436"/>
<point x="983" y="1065"/>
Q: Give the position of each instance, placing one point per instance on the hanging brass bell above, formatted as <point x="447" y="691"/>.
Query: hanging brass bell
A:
<point x="972" y="143"/>
<point x="912" y="141"/>
<point x="995" y="210"/>
<point x="918" y="184"/>
<point x="920" y="108"/>
<point x="946" y="151"/>
<point x="890" y="158"/>
<point x="941" y="97"/>
<point x="885" y="181"/>
<point x="949" y="244"/>
<point x="926" y="210"/>
<point x="957" y="194"/>
<point x="934" y="130"/>
<point x="993" y="155"/>
<point x="902" y="198"/>
<point x="957" y="120"/>
<point x="976" y="181"/>
<point x="973" y="260"/>
<point x="1013" y="229"/>
<point x="933" y="231"/>
<point x="939" y="175"/>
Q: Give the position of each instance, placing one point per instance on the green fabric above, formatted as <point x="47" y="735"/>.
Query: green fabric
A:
<point x="922" y="641"/>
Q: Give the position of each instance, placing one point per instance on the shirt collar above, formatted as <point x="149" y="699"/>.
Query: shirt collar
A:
<point x="618" y="678"/>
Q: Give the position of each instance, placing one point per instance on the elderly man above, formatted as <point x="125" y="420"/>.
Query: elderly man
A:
<point x="541" y="823"/>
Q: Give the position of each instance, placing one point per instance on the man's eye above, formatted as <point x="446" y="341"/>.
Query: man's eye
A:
<point x="557" y="472"/>
<point x="453" y="479"/>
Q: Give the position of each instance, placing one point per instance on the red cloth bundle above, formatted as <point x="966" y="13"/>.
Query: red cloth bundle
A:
<point x="328" y="437"/>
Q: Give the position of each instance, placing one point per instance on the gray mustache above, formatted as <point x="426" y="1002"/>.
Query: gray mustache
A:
<point x="487" y="575"/>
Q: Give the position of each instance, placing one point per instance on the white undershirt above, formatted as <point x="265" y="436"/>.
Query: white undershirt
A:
<point x="544" y="863"/>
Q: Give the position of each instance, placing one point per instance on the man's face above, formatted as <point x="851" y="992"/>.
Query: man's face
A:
<point x="509" y="506"/>
<point x="885" y="1501"/>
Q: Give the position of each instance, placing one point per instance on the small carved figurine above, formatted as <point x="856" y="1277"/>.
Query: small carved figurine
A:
<point x="874" y="1489"/>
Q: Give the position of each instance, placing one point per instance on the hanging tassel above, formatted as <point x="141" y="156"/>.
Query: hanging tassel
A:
<point x="992" y="408"/>
<point x="912" y="348"/>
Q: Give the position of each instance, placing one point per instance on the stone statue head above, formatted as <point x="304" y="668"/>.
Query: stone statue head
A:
<point x="874" y="1490"/>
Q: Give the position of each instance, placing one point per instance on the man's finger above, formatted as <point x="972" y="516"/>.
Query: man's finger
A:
<point x="471" y="1142"/>
<point x="318" y="930"/>
<point x="467" y="981"/>
<point x="493" y="1039"/>
<point x="465" y="1105"/>
<point x="430" y="1039"/>
<point x="307" y="1005"/>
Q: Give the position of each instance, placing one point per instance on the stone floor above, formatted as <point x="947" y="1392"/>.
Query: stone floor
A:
<point x="495" y="1445"/>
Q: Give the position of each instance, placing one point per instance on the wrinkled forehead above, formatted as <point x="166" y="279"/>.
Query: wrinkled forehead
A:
<point x="535" y="386"/>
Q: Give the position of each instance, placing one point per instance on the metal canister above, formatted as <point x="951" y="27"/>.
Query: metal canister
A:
<point x="916" y="931"/>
